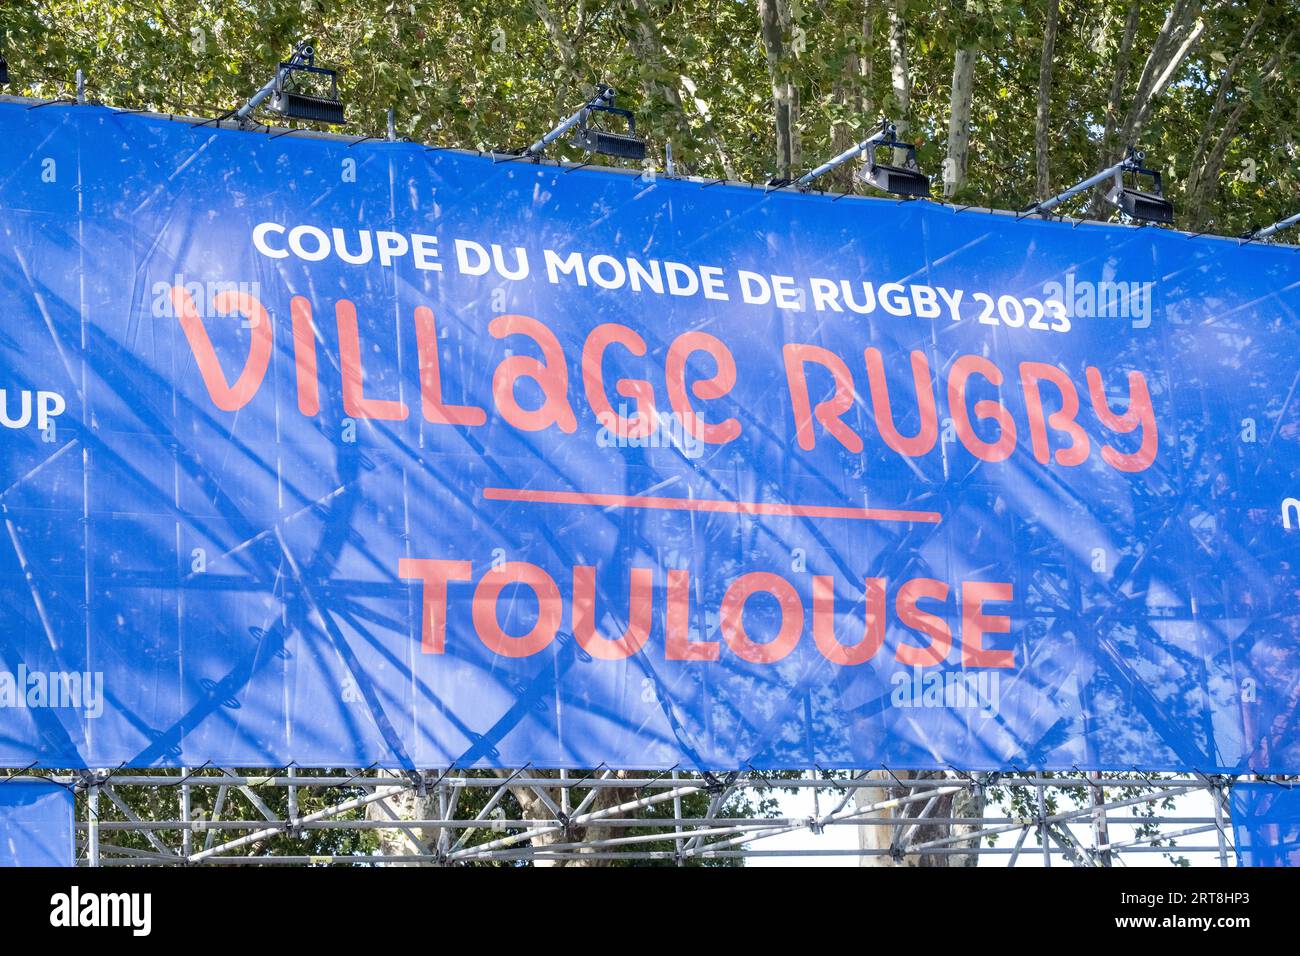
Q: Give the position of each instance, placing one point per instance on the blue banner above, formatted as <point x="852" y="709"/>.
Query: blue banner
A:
<point x="36" y="824"/>
<point x="345" y="453"/>
<point x="1266" y="824"/>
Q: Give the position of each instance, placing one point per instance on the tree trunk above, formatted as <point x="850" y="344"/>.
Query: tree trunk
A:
<point x="404" y="803"/>
<point x="1042" y="119"/>
<point x="899" y="73"/>
<point x="1123" y="59"/>
<point x="536" y="808"/>
<point x="1175" y="40"/>
<point x="774" y="17"/>
<point x="959" y="107"/>
<point x="1178" y="34"/>
<point x="1206" y="180"/>
<point x="564" y="48"/>
<point x="898" y="839"/>
<point x="849" y="92"/>
<point x="648" y="45"/>
<point x="1207" y="162"/>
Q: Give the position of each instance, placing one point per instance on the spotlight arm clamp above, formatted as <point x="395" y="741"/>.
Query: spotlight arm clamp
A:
<point x="1132" y="162"/>
<point x="303" y="56"/>
<point x="603" y="101"/>
<point x="1277" y="227"/>
<point x="886" y="132"/>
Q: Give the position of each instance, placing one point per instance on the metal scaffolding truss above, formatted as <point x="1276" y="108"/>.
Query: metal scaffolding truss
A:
<point x="454" y="817"/>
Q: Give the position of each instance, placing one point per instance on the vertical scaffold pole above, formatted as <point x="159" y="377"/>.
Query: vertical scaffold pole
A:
<point x="1100" y="827"/>
<point x="293" y="802"/>
<point x="677" y="815"/>
<point x="1042" y="827"/>
<point x="92" y="819"/>
<point x="1217" y="793"/>
<point x="444" y="814"/>
<point x="187" y="834"/>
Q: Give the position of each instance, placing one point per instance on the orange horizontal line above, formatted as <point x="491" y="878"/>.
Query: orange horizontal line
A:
<point x="708" y="504"/>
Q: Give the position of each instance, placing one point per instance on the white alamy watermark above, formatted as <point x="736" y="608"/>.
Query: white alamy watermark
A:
<point x="1085" y="299"/>
<point x="948" y="690"/>
<point x="53" y="690"/>
<point x="1290" y="511"/>
<point x="203" y="295"/>
<point x="670" y="433"/>
<point x="75" y="909"/>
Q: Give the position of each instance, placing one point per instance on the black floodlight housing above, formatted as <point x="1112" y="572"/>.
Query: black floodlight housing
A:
<point x="1147" y="207"/>
<point x="1144" y="206"/>
<point x="4" y="71"/>
<point x="904" y="180"/>
<point x="592" y="137"/>
<point x="288" y="99"/>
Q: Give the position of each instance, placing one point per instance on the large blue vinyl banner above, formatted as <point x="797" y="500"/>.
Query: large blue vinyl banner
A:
<point x="351" y="453"/>
<point x="1266" y="824"/>
<point x="37" y="826"/>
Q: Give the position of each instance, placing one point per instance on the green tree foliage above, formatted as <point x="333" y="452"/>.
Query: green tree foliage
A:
<point x="1208" y="87"/>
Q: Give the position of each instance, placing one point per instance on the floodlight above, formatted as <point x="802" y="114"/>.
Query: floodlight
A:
<point x="592" y="138"/>
<point x="607" y="143"/>
<point x="4" y="71"/>
<point x="1149" y="207"/>
<point x="1146" y="206"/>
<point x="904" y="180"/>
<point x="288" y="100"/>
<point x="1277" y="227"/>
